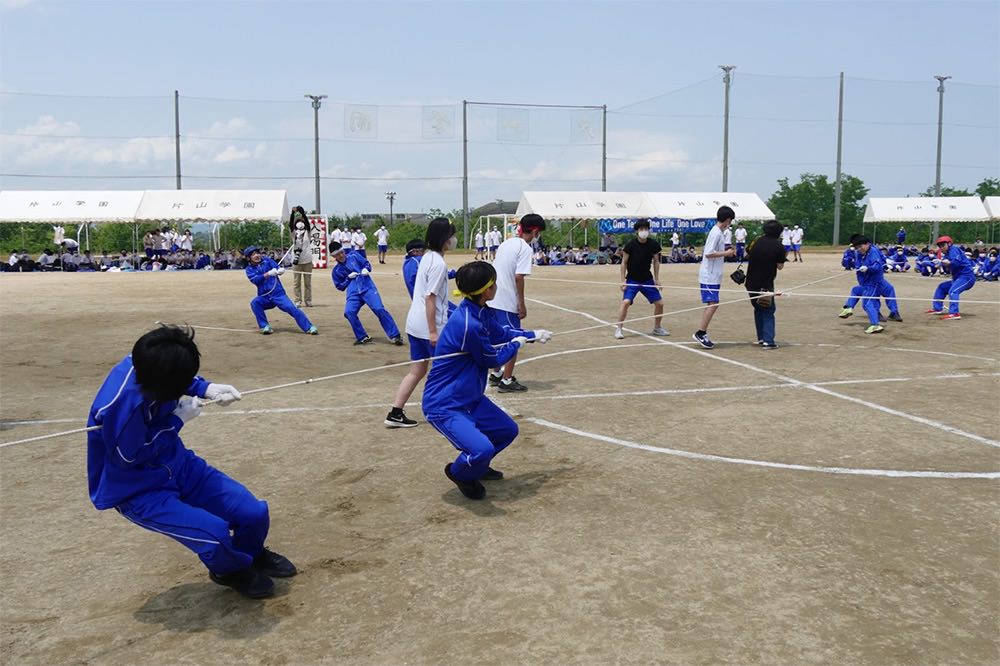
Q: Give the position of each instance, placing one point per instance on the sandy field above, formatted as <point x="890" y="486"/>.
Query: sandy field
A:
<point x="831" y="502"/>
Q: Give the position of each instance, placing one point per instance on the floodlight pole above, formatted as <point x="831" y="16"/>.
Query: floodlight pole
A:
<point x="177" y="136"/>
<point x="937" y="176"/>
<point x="604" y="148"/>
<point x="837" y="188"/>
<point x="727" y="78"/>
<point x="317" y="101"/>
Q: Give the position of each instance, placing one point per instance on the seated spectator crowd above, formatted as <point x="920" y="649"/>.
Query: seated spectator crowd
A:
<point x="70" y="260"/>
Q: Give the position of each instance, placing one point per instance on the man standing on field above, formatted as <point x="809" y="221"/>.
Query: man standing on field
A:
<point x="710" y="273"/>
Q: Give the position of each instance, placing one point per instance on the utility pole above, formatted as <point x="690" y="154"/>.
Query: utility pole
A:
<point x="177" y="136"/>
<point x="317" y="101"/>
<point x="391" y="196"/>
<point x="604" y="148"/>
<point x="937" y="176"/>
<point x="727" y="78"/>
<point x="465" y="173"/>
<point x="837" y="188"/>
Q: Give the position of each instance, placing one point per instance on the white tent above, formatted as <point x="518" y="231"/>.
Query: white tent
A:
<point x="705" y="205"/>
<point x="623" y="205"/>
<point x="68" y="207"/>
<point x="925" y="209"/>
<point x="212" y="206"/>
<point x="993" y="207"/>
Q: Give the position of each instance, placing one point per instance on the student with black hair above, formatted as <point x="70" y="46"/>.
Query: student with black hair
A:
<point x="414" y="252"/>
<point x="427" y="315"/>
<point x="302" y="258"/>
<point x="138" y="465"/>
<point x="264" y="273"/>
<point x="352" y="273"/>
<point x="453" y="400"/>
<point x="639" y="255"/>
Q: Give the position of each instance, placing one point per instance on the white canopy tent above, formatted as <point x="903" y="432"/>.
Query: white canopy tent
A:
<point x="621" y="205"/>
<point x="925" y="209"/>
<point x="143" y="206"/>
<point x="705" y="205"/>
<point x="993" y="207"/>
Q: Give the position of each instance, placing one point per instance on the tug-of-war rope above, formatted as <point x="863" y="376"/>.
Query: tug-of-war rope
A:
<point x="339" y="375"/>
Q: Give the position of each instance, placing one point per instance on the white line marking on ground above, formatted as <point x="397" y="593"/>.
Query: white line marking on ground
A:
<point x="812" y="387"/>
<point x="762" y="463"/>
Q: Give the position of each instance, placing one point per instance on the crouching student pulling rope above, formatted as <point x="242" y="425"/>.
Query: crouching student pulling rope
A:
<point x="453" y="400"/>
<point x="138" y="465"/>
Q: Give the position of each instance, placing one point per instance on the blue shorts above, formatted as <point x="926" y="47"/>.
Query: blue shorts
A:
<point x="648" y="289"/>
<point x="383" y="248"/>
<point x="796" y="246"/>
<point x="505" y="318"/>
<point x="493" y="248"/>
<point x="709" y="292"/>
<point x="787" y="247"/>
<point x="480" y="248"/>
<point x="420" y="349"/>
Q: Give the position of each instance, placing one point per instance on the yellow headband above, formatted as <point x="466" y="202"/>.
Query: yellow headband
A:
<point x="486" y="286"/>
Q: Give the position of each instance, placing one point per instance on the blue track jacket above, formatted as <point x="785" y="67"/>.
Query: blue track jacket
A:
<point x="961" y="265"/>
<point x="458" y="383"/>
<point x="354" y="263"/>
<point x="266" y="284"/>
<point x="876" y="267"/>
<point x="139" y="447"/>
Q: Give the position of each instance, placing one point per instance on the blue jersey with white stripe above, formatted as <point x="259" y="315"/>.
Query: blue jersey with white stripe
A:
<point x="138" y="448"/>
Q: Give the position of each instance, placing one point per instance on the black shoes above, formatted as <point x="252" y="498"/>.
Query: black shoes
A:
<point x="398" y="341"/>
<point x="512" y="386"/>
<point x="894" y="316"/>
<point x="474" y="490"/>
<point x="397" y="419"/>
<point x="251" y="584"/>
<point x="363" y="341"/>
<point x="492" y="475"/>
<point x="494" y="380"/>
<point x="271" y="563"/>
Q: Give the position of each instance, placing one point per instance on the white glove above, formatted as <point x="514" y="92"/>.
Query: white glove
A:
<point x="863" y="269"/>
<point x="365" y="271"/>
<point x="281" y="271"/>
<point x="352" y="275"/>
<point x="542" y="336"/>
<point x="224" y="393"/>
<point x="272" y="273"/>
<point x="187" y="408"/>
<point x="520" y="341"/>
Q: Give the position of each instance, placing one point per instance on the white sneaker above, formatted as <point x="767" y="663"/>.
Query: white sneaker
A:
<point x="659" y="330"/>
<point x="619" y="334"/>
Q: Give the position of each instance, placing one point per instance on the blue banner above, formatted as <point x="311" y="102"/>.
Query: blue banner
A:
<point x="657" y="225"/>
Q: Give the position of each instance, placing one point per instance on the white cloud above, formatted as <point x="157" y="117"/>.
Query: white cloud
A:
<point x="231" y="154"/>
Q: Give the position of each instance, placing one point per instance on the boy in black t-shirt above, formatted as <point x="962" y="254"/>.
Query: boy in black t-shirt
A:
<point x="637" y="256"/>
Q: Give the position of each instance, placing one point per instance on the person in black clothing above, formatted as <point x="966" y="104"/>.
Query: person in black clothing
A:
<point x="766" y="257"/>
<point x="637" y="256"/>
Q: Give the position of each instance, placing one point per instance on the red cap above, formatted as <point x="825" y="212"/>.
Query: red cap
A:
<point x="943" y="239"/>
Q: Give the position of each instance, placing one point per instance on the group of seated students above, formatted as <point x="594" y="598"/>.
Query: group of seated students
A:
<point x="927" y="261"/>
<point x="70" y="260"/>
<point x="610" y="253"/>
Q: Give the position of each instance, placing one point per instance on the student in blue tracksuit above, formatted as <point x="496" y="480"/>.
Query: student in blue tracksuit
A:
<point x="847" y="261"/>
<point x="962" y="278"/>
<point x="453" y="400"/>
<point x="991" y="267"/>
<point x="885" y="290"/>
<point x="925" y="263"/>
<point x="138" y="465"/>
<point x="897" y="260"/>
<point x="351" y="273"/>
<point x="871" y="277"/>
<point x="264" y="273"/>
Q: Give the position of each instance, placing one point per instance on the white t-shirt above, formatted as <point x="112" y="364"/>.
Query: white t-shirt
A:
<point x="358" y="239"/>
<point x="382" y="237"/>
<point x="675" y="239"/>
<point x="711" y="269"/>
<point x="513" y="258"/>
<point x="727" y="237"/>
<point x="786" y="237"/>
<point x="186" y="242"/>
<point x="479" y="240"/>
<point x="797" y="236"/>
<point x="741" y="235"/>
<point x="431" y="282"/>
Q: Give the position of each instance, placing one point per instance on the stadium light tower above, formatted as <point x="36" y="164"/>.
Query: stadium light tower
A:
<point x="317" y="101"/>
<point x="727" y="78"/>
<point x="391" y="196"/>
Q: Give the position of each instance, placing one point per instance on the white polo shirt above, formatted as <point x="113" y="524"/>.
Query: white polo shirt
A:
<point x="711" y="269"/>
<point x="431" y="282"/>
<point x="382" y="237"/>
<point x="513" y="258"/>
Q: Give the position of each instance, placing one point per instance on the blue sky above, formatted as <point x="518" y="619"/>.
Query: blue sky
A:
<point x="391" y="62"/>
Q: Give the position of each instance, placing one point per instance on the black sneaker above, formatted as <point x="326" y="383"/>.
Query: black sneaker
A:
<point x="363" y="341"/>
<point x="513" y="386"/>
<point x="247" y="582"/>
<point x="272" y="564"/>
<point x="494" y="380"/>
<point x="492" y="475"/>
<point x="398" y="420"/>
<point x="881" y="317"/>
<point x="702" y="339"/>
<point x="398" y="341"/>
<point x="894" y="316"/>
<point x="765" y="345"/>
<point x="471" y="489"/>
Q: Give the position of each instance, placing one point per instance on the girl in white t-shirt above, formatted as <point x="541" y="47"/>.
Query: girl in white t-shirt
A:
<point x="427" y="315"/>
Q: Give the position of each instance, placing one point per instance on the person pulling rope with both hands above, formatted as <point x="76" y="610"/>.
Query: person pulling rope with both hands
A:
<point x="138" y="465"/>
<point x="264" y="273"/>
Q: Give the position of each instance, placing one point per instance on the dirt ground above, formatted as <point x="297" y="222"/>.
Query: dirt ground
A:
<point x="663" y="503"/>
